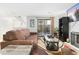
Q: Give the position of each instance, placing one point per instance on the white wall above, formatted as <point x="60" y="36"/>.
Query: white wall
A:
<point x="11" y="23"/>
<point x="73" y="27"/>
<point x="56" y="19"/>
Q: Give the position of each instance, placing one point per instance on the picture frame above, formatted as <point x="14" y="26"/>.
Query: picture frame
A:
<point x="32" y="23"/>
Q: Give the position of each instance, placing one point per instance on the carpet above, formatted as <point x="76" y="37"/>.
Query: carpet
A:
<point x="38" y="51"/>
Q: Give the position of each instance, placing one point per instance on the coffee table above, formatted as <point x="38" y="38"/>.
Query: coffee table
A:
<point x="17" y="50"/>
<point x="51" y="43"/>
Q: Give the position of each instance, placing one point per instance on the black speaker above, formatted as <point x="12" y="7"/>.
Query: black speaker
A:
<point x="64" y="28"/>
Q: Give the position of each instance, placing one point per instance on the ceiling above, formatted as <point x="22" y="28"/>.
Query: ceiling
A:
<point x="33" y="9"/>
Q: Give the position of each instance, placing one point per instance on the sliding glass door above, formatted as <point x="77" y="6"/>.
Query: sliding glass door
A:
<point x="43" y="26"/>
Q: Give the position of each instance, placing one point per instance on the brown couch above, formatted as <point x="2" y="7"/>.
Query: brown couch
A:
<point x="19" y="37"/>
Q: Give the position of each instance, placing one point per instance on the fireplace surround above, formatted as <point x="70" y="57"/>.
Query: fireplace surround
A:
<point x="75" y="39"/>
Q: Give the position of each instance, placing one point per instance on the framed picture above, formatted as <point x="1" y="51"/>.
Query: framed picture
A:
<point x="32" y="23"/>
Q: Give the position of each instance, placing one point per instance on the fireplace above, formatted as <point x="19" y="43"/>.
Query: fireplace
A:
<point x="75" y="39"/>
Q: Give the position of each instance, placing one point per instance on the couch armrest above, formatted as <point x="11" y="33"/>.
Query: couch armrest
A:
<point x="4" y="44"/>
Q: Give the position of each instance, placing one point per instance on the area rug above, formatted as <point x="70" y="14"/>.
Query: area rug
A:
<point x="38" y="51"/>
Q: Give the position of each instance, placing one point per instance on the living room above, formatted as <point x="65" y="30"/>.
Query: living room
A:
<point x="24" y="26"/>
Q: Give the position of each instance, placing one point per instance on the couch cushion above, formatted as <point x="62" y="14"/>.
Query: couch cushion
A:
<point x="19" y="35"/>
<point x="33" y="38"/>
<point x="22" y="34"/>
<point x="25" y="32"/>
<point x="10" y="35"/>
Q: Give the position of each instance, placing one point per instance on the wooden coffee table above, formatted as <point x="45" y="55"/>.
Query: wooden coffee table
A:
<point x="17" y="50"/>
